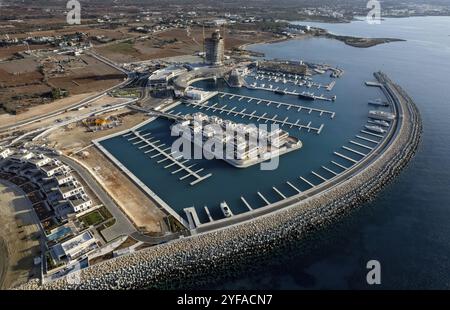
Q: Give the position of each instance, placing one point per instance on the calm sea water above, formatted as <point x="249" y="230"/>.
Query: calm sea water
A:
<point x="228" y="183"/>
<point x="407" y="228"/>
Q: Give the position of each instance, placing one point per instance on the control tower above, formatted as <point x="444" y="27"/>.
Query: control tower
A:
<point x="214" y="49"/>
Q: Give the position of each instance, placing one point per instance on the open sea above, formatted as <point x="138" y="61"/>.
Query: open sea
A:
<point x="407" y="228"/>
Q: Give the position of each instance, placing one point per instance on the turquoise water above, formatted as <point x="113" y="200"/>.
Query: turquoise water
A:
<point x="407" y="228"/>
<point x="229" y="183"/>
<point x="60" y="233"/>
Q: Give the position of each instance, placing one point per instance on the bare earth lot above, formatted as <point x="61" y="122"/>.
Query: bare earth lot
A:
<point x="7" y="119"/>
<point x="138" y="206"/>
<point x="174" y="42"/>
<point x="18" y="242"/>
<point x="135" y="203"/>
<point x="24" y="85"/>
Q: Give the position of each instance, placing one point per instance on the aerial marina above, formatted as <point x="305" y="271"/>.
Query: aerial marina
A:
<point x="296" y="115"/>
<point x="186" y="150"/>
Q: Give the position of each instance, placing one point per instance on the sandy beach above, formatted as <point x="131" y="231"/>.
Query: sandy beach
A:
<point x="19" y="234"/>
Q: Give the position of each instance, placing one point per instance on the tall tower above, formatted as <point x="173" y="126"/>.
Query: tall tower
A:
<point x="214" y="49"/>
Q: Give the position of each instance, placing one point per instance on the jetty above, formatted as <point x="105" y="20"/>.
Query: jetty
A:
<point x="258" y="117"/>
<point x="147" y="143"/>
<point x="277" y="104"/>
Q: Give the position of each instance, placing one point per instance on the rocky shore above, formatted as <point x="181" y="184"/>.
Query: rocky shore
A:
<point x="199" y="257"/>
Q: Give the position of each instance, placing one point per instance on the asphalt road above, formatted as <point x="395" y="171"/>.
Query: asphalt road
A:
<point x="123" y="225"/>
<point x="80" y="103"/>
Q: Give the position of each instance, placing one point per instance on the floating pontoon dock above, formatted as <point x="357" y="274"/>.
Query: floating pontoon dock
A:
<point x="167" y="156"/>
<point x="287" y="92"/>
<point x="263" y="117"/>
<point x="278" y="104"/>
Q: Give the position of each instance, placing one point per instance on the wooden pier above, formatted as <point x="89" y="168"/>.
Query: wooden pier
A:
<point x="353" y="151"/>
<point x="339" y="165"/>
<point x="278" y="192"/>
<point x="293" y="187"/>
<point x="208" y="214"/>
<point x="361" y="145"/>
<point x="329" y="170"/>
<point x="287" y="92"/>
<point x="264" y="117"/>
<point x="346" y="157"/>
<point x="367" y="139"/>
<point x="263" y="198"/>
<point x="371" y="134"/>
<point x="279" y="104"/>
<point x="306" y="181"/>
<point x="246" y="204"/>
<point x="319" y="176"/>
<point x="168" y="156"/>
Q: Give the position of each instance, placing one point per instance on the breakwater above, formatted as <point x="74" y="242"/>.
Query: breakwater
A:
<point x="198" y="257"/>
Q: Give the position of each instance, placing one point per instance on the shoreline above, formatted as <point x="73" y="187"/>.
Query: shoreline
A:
<point x="187" y="259"/>
<point x="353" y="41"/>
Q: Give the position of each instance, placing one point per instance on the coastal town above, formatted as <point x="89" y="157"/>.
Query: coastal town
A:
<point x="87" y="167"/>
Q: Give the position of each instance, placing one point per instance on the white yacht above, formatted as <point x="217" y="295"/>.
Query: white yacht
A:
<point x="226" y="209"/>
<point x="376" y="129"/>
<point x="381" y="123"/>
<point x="387" y="116"/>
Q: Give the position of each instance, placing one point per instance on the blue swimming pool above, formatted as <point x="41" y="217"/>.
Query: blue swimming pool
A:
<point x="59" y="233"/>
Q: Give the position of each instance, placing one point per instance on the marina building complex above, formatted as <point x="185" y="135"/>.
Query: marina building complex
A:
<point x="241" y="145"/>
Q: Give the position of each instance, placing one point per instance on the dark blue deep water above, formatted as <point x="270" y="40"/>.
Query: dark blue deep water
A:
<point x="407" y="228"/>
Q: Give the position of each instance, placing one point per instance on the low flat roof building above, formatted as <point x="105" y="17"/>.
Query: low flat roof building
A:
<point x="51" y="168"/>
<point x="63" y="178"/>
<point x="5" y="152"/>
<point x="70" y="189"/>
<point x="80" y="203"/>
<point x="39" y="160"/>
<point x="160" y="78"/>
<point x="75" y="247"/>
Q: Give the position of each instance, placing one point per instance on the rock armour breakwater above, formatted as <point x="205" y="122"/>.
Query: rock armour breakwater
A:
<point x="188" y="260"/>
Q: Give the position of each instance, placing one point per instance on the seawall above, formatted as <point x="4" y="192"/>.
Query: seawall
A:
<point x="188" y="259"/>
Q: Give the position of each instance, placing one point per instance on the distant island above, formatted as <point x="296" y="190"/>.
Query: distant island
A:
<point x="361" y="42"/>
<point x="304" y="31"/>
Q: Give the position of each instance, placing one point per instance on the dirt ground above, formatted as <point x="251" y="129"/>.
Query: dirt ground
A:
<point x="22" y="84"/>
<point x="93" y="76"/>
<point x="118" y="33"/>
<point x="75" y="138"/>
<point x="9" y="51"/>
<point x="138" y="206"/>
<point x="8" y="119"/>
<point x="18" y="242"/>
<point x="135" y="203"/>
<point x="175" y="42"/>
